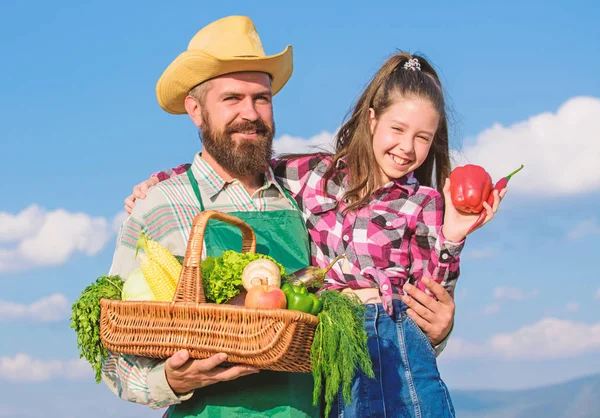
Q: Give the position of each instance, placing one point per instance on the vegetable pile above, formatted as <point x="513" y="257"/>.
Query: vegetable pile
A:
<point x="85" y="319"/>
<point x="222" y="276"/>
<point x="264" y="284"/>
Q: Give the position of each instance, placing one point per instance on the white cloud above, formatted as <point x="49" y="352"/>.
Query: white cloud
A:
<point x="584" y="228"/>
<point x="55" y="307"/>
<point x="295" y="145"/>
<point x="559" y="150"/>
<point x="40" y="238"/>
<point x="24" y="368"/>
<point x="460" y="348"/>
<point x="572" y="307"/>
<point x="490" y="309"/>
<point x="550" y="338"/>
<point x="503" y="294"/>
<point x="21" y="225"/>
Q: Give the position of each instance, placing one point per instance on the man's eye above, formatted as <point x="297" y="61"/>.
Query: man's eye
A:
<point x="264" y="99"/>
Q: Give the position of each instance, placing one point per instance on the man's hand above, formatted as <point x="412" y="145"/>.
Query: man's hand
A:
<point x="185" y="374"/>
<point x="434" y="317"/>
<point x="139" y="192"/>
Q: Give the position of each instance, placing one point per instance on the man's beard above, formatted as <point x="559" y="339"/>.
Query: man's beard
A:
<point x="244" y="157"/>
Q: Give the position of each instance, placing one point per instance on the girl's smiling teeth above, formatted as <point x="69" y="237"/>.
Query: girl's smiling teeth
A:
<point x="399" y="160"/>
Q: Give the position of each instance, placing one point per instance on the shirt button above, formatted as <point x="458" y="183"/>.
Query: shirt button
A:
<point x="346" y="238"/>
<point x="388" y="223"/>
<point x="385" y="287"/>
<point x="444" y="256"/>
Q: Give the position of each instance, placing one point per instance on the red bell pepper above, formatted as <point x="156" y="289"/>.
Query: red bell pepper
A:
<point x="470" y="186"/>
<point x="501" y="184"/>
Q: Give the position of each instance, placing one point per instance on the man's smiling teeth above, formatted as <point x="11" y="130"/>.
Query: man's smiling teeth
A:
<point x="399" y="160"/>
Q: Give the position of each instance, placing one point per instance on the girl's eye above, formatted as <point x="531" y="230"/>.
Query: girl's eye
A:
<point x="424" y="138"/>
<point x="396" y="128"/>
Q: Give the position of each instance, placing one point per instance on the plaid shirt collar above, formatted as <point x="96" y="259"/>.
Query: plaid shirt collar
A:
<point x="210" y="181"/>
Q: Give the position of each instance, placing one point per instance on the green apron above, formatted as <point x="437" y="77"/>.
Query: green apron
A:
<point x="282" y="235"/>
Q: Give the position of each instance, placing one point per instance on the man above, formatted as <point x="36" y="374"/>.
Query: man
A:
<point x="225" y="83"/>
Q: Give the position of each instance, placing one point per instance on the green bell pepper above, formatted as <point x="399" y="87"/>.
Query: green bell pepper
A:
<point x="300" y="299"/>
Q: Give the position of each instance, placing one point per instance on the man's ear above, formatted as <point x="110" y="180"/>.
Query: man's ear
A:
<point x="194" y="109"/>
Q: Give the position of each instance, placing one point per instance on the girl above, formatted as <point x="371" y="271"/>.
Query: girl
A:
<point x="374" y="200"/>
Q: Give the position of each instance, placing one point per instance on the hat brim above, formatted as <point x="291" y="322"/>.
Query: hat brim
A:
<point x="193" y="67"/>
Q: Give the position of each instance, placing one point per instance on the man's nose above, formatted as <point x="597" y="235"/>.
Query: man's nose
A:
<point x="248" y="110"/>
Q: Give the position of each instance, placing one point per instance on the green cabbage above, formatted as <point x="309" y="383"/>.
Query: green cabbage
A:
<point x="136" y="287"/>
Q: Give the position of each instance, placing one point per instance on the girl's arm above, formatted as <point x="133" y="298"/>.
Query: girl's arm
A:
<point x="440" y="233"/>
<point x="433" y="255"/>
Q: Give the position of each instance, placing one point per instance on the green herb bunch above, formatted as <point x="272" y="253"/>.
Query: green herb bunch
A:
<point x="339" y="347"/>
<point x="85" y="319"/>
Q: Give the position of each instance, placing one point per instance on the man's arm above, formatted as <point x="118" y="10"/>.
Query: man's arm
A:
<point x="132" y="378"/>
<point x="152" y="382"/>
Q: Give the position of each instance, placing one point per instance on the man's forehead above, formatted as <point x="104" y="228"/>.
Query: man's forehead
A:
<point x="246" y="81"/>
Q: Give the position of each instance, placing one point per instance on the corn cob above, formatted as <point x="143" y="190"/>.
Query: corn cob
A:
<point x="161" y="263"/>
<point x="157" y="278"/>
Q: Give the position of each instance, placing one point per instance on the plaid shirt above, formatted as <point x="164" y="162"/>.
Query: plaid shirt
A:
<point x="166" y="215"/>
<point x="395" y="239"/>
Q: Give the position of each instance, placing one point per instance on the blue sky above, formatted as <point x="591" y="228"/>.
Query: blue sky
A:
<point x="80" y="126"/>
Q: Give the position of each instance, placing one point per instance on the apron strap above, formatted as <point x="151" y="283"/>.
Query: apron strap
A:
<point x="194" y="184"/>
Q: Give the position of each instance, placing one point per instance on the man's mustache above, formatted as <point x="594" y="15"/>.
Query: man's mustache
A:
<point x="245" y="127"/>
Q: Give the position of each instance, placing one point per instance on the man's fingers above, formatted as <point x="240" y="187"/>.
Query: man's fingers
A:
<point x="423" y="324"/>
<point x="419" y="309"/>
<point x="234" y="372"/>
<point x="178" y="360"/>
<point x="438" y="290"/>
<point x="210" y="363"/>
<point x="421" y="297"/>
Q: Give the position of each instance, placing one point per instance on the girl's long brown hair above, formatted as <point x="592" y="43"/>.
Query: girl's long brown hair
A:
<point x="354" y="141"/>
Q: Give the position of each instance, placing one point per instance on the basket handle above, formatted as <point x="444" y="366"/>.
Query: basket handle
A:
<point x="189" y="287"/>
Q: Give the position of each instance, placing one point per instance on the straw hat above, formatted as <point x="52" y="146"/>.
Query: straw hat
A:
<point x="228" y="45"/>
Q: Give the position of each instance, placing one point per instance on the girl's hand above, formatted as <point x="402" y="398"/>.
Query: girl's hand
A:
<point x="139" y="192"/>
<point x="456" y="223"/>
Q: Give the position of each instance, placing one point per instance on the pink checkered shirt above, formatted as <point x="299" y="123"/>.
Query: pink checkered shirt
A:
<point x="396" y="239"/>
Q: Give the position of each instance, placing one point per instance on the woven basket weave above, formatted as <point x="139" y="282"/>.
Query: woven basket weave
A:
<point x="270" y="339"/>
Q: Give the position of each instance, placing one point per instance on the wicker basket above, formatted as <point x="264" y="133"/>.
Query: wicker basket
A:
<point x="270" y="339"/>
